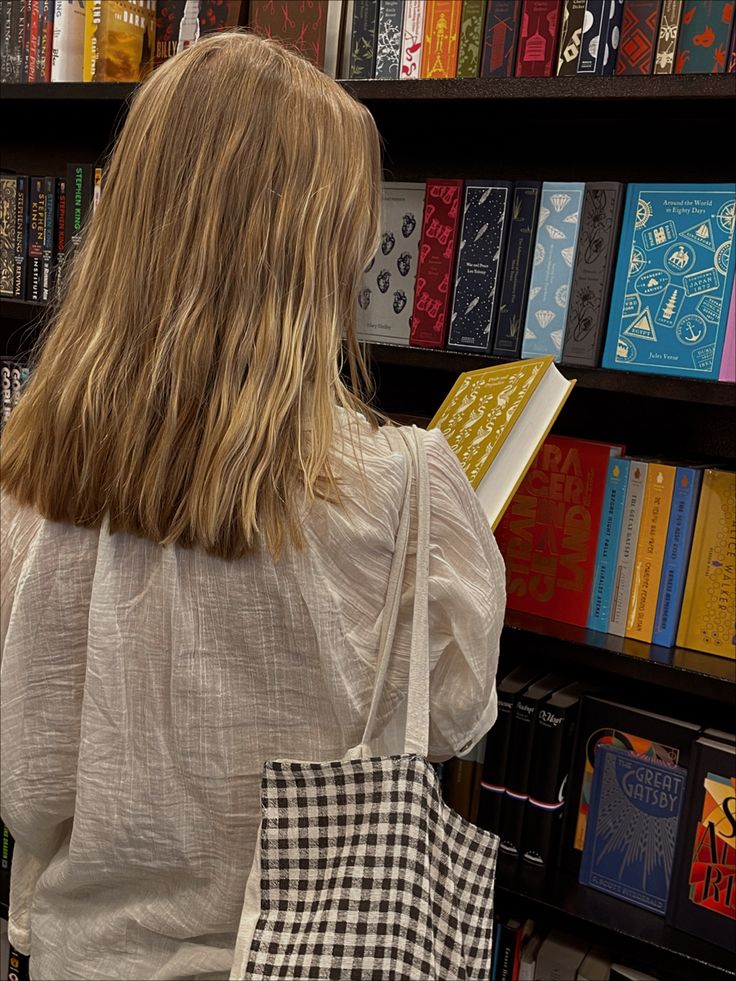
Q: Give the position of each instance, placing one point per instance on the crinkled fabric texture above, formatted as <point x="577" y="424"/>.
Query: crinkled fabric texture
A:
<point x="144" y="687"/>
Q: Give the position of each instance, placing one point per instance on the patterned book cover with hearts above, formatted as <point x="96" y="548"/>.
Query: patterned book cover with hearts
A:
<point x="571" y="35"/>
<point x="673" y="280"/>
<point x="500" y="38"/>
<point x="638" y="37"/>
<point x="441" y="38"/>
<point x="705" y="33"/>
<point x="432" y="295"/>
<point x="540" y="22"/>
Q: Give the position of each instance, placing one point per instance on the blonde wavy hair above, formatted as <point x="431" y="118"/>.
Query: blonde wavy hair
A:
<point x="186" y="389"/>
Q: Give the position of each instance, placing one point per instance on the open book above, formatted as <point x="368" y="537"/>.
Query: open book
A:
<point x="496" y="419"/>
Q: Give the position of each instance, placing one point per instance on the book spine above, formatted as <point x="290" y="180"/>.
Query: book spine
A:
<point x="669" y="30"/>
<point x="21" y="238"/>
<point x="554" y="261"/>
<point x="571" y="36"/>
<point x="33" y="39"/>
<point x="540" y="21"/>
<point x="412" y="39"/>
<point x="513" y="808"/>
<point x="5" y="407"/>
<point x="676" y="555"/>
<point x="506" y="951"/>
<point x="441" y="39"/>
<point x="442" y="207"/>
<point x="610" y="37"/>
<point x="471" y="39"/>
<point x="650" y="552"/>
<point x="627" y="547"/>
<point x="335" y="17"/>
<point x="705" y="32"/>
<point x="93" y="18"/>
<point x="500" y="38"/>
<point x="49" y="40"/>
<point x="67" y="57"/>
<point x="79" y="190"/>
<point x="517" y="270"/>
<point x="363" y="39"/>
<point x="43" y="17"/>
<point x="590" y="292"/>
<point x="7" y="234"/>
<point x="36" y="223"/>
<point x="591" y="48"/>
<point x="388" y="43"/>
<point x="638" y="37"/>
<point x="608" y="539"/>
<point x="479" y="261"/>
<point x="492" y="785"/>
<point x="18" y="965"/>
<point x="11" y="65"/>
<point x="731" y="67"/>
<point x="15" y="385"/>
<point x="59" y="231"/>
<point x="26" y="42"/>
<point x="48" y="237"/>
<point x="5" y="68"/>
<point x="727" y="371"/>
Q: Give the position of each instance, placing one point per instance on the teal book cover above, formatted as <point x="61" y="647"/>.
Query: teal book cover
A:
<point x="632" y="827"/>
<point x="558" y="226"/>
<point x="673" y="277"/>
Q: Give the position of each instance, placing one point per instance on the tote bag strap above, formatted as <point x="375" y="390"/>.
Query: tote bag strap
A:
<point x="410" y="441"/>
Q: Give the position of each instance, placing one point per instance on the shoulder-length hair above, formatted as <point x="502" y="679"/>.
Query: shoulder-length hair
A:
<point x="187" y="387"/>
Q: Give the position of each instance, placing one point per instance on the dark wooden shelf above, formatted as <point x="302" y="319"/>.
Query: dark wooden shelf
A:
<point x="631" y="932"/>
<point x="66" y="91"/>
<point x="676" y="669"/>
<point x="11" y="309"/>
<point x="654" y="386"/>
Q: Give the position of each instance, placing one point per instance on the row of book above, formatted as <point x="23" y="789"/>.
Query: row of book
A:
<point x="638" y="278"/>
<point x="392" y="39"/>
<point x="638" y="805"/>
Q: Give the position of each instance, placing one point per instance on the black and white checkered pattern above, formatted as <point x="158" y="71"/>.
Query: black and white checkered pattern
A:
<point x="367" y="873"/>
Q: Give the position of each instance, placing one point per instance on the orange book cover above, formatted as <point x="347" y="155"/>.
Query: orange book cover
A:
<point x="441" y="38"/>
<point x="655" y="518"/>
<point x="708" y="617"/>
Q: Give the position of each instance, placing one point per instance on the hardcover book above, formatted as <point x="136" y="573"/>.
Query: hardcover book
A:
<point x="119" y="40"/>
<point x="709" y="605"/>
<point x="312" y="28"/>
<point x="471" y="38"/>
<point x="650" y="551"/>
<point x="67" y="55"/>
<point x="705" y="32"/>
<point x="12" y="43"/>
<point x="591" y="47"/>
<point x="571" y="36"/>
<point x="223" y="15"/>
<point x="549" y="532"/>
<point x="7" y="234"/>
<point x="540" y="21"/>
<point x="500" y="38"/>
<point x="479" y="262"/>
<point x="412" y="39"/>
<point x="441" y="38"/>
<point x="685" y="497"/>
<point x="727" y="371"/>
<point x="632" y="827"/>
<point x="669" y="30"/>
<point x="363" y="39"/>
<point x="46" y="39"/>
<point x="731" y="65"/>
<point x="32" y="40"/>
<point x="80" y="190"/>
<point x="494" y="419"/>
<point x="177" y="26"/>
<point x="624" y="569"/>
<point x="656" y="738"/>
<point x="36" y="222"/>
<point x="638" y="37"/>
<point x="388" y="39"/>
<point x="554" y="260"/>
<point x="595" y="257"/>
<point x="442" y="212"/>
<point x="610" y="37"/>
<point x="517" y="269"/>
<point x="48" y="236"/>
<point x="7" y="399"/>
<point x="20" y="237"/>
<point x="703" y="888"/>
<point x="673" y="276"/>
<point x="386" y="297"/>
<point x="614" y="502"/>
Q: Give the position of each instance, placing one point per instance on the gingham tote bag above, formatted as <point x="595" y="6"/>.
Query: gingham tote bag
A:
<point x="361" y="870"/>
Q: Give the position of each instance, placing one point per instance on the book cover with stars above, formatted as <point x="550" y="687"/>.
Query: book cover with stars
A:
<point x="632" y="827"/>
<point x="673" y="280"/>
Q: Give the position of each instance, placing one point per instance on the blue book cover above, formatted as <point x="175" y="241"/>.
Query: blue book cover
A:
<point x="683" y="511"/>
<point x="517" y="269"/>
<point x="554" y="261"/>
<point x="479" y="263"/>
<point x="673" y="279"/>
<point x="612" y="518"/>
<point x="631" y="829"/>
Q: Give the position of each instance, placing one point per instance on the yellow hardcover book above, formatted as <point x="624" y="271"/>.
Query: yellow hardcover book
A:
<point x="496" y="419"/>
<point x="655" y="518"/>
<point x="123" y="43"/>
<point x="708" y="617"/>
<point x="92" y="18"/>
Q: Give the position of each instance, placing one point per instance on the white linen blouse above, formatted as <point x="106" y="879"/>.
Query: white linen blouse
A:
<point x="143" y="688"/>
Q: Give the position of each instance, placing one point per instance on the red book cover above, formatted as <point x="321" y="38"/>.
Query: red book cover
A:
<point x="48" y="26"/>
<point x="300" y="24"/>
<point x="33" y="41"/>
<point x="549" y="533"/>
<point x="540" y="22"/>
<point x="639" y="27"/>
<point x="432" y="293"/>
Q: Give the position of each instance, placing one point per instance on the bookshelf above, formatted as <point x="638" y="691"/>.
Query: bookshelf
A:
<point x="627" y="129"/>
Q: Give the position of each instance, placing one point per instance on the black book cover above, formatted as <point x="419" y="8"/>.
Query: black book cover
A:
<point x="589" y="47"/>
<point x="610" y="37"/>
<point x="702" y="896"/>
<point x="571" y="35"/>
<point x="497" y="746"/>
<point x="654" y="736"/>
<point x="17" y="965"/>
<point x="517" y="270"/>
<point x="500" y="38"/>
<point x="25" y="47"/>
<point x="363" y="39"/>
<point x="508" y="941"/>
<point x="553" y="741"/>
<point x="13" y="61"/>
<point x="21" y="237"/>
<point x="59" y="229"/>
<point x="595" y="259"/>
<point x="521" y="749"/>
<point x="48" y="236"/>
<point x="5" y="31"/>
<point x="5" y="863"/>
<point x="36" y="223"/>
<point x="79" y="195"/>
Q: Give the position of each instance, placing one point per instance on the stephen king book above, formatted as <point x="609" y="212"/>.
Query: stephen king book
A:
<point x="36" y="223"/>
<point x="21" y="237"/>
<point x="500" y="38"/>
<point x="7" y="234"/>
<point x="67" y="55"/>
<point x="177" y="27"/>
<point x="509" y="330"/>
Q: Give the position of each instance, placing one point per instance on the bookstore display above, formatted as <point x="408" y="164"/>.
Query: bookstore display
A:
<point x="569" y="322"/>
